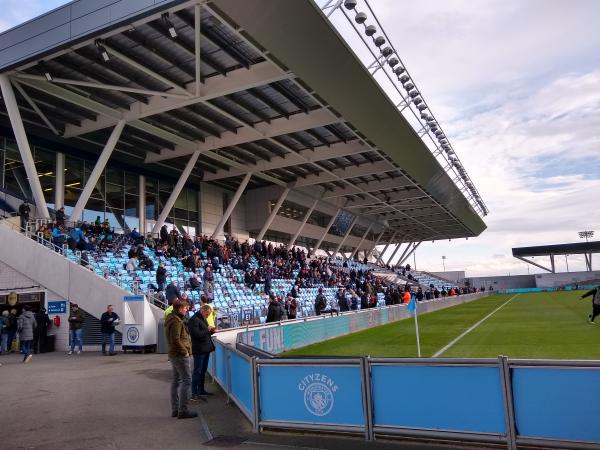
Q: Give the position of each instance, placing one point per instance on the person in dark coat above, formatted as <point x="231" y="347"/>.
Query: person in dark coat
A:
<point x="275" y="310"/>
<point x="202" y="346"/>
<point x="108" y="321"/>
<point x="12" y="329"/>
<point x="320" y="302"/>
<point x="161" y="277"/>
<point x="75" y="328"/>
<point x="24" y="211"/>
<point x="595" y="303"/>
<point x="172" y="292"/>
<point x="41" y="331"/>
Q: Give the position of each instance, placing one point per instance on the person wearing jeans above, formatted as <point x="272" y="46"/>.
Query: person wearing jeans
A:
<point x="75" y="327"/>
<point x="27" y="325"/>
<point x="202" y="346"/>
<point x="108" y="321"/>
<point x="180" y="349"/>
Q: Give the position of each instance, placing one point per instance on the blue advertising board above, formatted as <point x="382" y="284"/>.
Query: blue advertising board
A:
<point x="557" y="403"/>
<point x="438" y="397"/>
<point x="57" y="307"/>
<point x="241" y="381"/>
<point x="315" y="394"/>
<point x="133" y="298"/>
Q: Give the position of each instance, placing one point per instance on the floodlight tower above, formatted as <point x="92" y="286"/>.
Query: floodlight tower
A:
<point x="586" y="234"/>
<point x="444" y="262"/>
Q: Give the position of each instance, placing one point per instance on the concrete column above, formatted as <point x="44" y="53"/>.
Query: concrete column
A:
<point x="346" y="235"/>
<point x="361" y="241"/>
<point x="59" y="182"/>
<point x="386" y="247"/>
<point x="306" y="216"/>
<point x="326" y="231"/>
<point x="142" y="204"/>
<point x="19" y="131"/>
<point x="176" y="191"/>
<point x="274" y="212"/>
<point x="394" y="253"/>
<point x="410" y="253"/>
<point x="232" y="204"/>
<point x="97" y="171"/>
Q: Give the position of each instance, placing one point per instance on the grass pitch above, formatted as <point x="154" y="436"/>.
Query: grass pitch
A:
<point x="534" y="325"/>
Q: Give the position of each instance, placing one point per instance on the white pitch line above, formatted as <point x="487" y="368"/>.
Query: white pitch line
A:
<point x="455" y="340"/>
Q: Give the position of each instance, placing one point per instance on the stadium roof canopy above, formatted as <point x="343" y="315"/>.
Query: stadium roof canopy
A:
<point x="227" y="87"/>
<point x="576" y="248"/>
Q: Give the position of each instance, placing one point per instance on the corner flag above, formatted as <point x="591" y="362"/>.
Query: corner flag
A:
<point x="412" y="306"/>
<point x="412" y="309"/>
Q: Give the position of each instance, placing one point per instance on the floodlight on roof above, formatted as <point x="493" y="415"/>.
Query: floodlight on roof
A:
<point x="350" y="4"/>
<point x="370" y="30"/>
<point x="418" y="101"/>
<point x="439" y="133"/>
<point x="421" y="107"/>
<point x="44" y="68"/>
<point x="379" y="41"/>
<point x="387" y="52"/>
<point x="393" y="62"/>
<point x="170" y="26"/>
<point x="360" y="18"/>
<point x="399" y="70"/>
<point x="403" y="78"/>
<point x="409" y="86"/>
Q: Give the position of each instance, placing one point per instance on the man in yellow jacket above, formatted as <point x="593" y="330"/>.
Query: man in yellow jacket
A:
<point x="212" y="317"/>
<point x="179" y="347"/>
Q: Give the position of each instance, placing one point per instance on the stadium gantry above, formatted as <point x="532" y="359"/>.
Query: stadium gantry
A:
<point x="259" y="99"/>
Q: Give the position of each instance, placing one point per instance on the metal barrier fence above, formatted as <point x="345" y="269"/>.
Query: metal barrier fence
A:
<point x="499" y="401"/>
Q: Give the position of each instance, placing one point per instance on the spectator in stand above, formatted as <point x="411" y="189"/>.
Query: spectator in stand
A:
<point x="452" y="292"/>
<point x="420" y="294"/>
<point x="132" y="265"/>
<point x="108" y="321"/>
<point x="275" y="310"/>
<point x="436" y="293"/>
<point x="292" y="307"/>
<point x="202" y="346"/>
<point x="172" y="292"/>
<point x="135" y="235"/>
<point x="24" y="211"/>
<point x="150" y="242"/>
<point x="60" y="216"/>
<point x="354" y="301"/>
<point x="342" y="301"/>
<point x="27" y="325"/>
<point x="194" y="283"/>
<point x="444" y="292"/>
<point x="41" y="331"/>
<point x="180" y="350"/>
<point x="320" y="302"/>
<point x="164" y="234"/>
<point x="406" y="296"/>
<point x="428" y="294"/>
<point x="58" y="236"/>
<point x="161" y="276"/>
<point x="75" y="328"/>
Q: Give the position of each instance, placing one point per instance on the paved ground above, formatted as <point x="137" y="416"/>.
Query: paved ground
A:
<point x="122" y="402"/>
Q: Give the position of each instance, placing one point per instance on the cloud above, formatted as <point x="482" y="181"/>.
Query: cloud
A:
<point x="519" y="98"/>
<point x="15" y="12"/>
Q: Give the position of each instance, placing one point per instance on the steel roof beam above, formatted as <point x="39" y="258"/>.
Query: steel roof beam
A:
<point x="293" y="159"/>
<point x="372" y="186"/>
<point x="214" y="87"/>
<point x="350" y="172"/>
<point x="259" y="131"/>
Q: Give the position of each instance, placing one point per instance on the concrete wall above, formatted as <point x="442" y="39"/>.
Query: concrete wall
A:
<point x="456" y="276"/>
<point x="504" y="282"/>
<point x="211" y="201"/>
<point x="550" y="280"/>
<point x="11" y="279"/>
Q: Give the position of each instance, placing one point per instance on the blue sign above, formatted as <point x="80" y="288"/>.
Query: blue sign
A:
<point x="57" y="307"/>
<point x="312" y="394"/>
<point x="133" y="298"/>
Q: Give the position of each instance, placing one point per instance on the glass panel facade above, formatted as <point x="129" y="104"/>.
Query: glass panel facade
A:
<point x="114" y="198"/>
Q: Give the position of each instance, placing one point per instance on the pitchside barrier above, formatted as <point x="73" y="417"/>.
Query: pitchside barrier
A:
<point x="512" y="402"/>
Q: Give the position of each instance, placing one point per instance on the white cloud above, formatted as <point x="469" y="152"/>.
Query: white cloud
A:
<point x="516" y="87"/>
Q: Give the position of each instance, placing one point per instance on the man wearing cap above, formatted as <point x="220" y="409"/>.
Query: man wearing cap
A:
<point x="108" y="321"/>
<point x="180" y="350"/>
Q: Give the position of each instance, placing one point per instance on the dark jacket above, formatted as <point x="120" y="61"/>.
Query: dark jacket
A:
<point x="161" y="275"/>
<point x="107" y="325"/>
<point x="76" y="319"/>
<point x="178" y="336"/>
<point x="596" y="293"/>
<point x="200" y="335"/>
<point x="43" y="322"/>
<point x="172" y="292"/>
<point x="275" y="312"/>
<point x="320" y="303"/>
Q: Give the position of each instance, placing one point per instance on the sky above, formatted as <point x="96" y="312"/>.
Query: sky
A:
<point x="515" y="85"/>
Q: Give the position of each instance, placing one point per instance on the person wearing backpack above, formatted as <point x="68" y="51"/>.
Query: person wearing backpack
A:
<point x="595" y="304"/>
<point x="4" y="331"/>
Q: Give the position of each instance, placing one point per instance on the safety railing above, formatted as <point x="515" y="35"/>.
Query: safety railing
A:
<point x="498" y="401"/>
